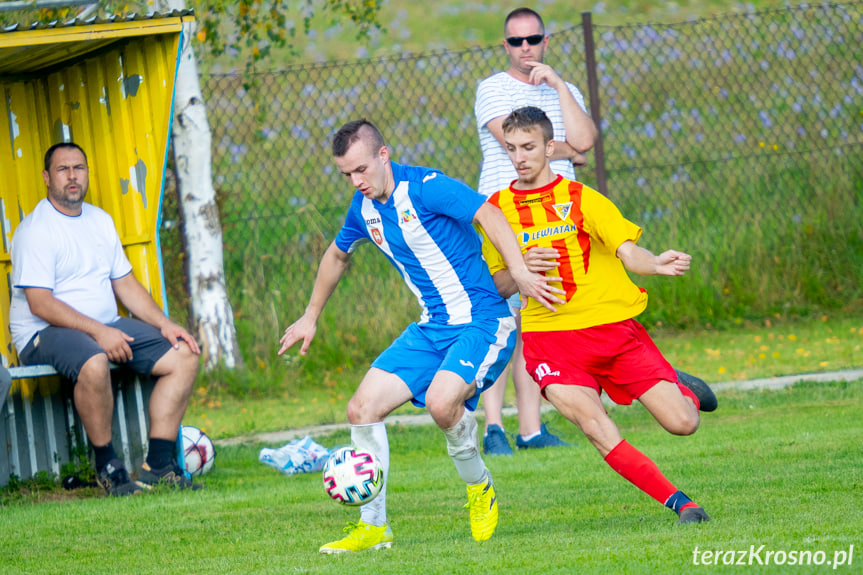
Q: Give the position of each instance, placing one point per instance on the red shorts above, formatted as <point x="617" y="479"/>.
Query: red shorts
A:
<point x="619" y="358"/>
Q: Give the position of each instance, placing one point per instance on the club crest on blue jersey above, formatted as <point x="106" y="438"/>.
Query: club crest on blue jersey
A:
<point x="377" y="236"/>
<point x="408" y="216"/>
<point x="562" y="210"/>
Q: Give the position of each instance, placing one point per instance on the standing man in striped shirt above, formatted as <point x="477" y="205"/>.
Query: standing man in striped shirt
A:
<point x="527" y="82"/>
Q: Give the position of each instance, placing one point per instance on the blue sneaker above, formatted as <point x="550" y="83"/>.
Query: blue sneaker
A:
<point x="494" y="442"/>
<point x="544" y="439"/>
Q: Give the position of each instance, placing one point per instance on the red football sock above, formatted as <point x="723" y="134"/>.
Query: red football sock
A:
<point x="690" y="394"/>
<point x="639" y="470"/>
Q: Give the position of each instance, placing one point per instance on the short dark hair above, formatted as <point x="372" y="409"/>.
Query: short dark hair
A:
<point x="526" y="118"/>
<point x="521" y="12"/>
<point x="353" y="131"/>
<point x="49" y="155"/>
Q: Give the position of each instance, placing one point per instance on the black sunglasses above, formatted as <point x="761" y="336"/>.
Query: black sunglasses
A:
<point x="516" y="41"/>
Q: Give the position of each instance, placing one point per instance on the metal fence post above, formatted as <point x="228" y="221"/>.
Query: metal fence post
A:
<point x="593" y="91"/>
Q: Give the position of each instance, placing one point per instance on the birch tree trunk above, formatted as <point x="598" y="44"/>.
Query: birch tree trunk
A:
<point x="191" y="137"/>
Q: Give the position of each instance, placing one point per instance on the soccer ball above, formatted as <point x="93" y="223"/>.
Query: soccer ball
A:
<point x="353" y="476"/>
<point x="198" y="451"/>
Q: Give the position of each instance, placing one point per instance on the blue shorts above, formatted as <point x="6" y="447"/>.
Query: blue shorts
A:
<point x="478" y="352"/>
<point x="67" y="350"/>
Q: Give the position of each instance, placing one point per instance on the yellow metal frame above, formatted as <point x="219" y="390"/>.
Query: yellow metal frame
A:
<point x="109" y="88"/>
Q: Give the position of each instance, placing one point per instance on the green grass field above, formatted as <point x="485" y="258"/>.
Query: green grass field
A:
<point x="779" y="469"/>
<point x="315" y="389"/>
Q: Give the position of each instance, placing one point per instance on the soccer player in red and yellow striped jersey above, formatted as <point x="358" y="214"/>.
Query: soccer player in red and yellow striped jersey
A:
<point x="592" y="343"/>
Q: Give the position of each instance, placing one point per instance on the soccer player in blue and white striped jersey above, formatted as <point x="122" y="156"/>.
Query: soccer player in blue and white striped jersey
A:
<point x="423" y="222"/>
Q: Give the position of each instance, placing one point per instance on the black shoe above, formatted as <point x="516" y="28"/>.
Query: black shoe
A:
<point x="693" y="515"/>
<point x="170" y="475"/>
<point x="115" y="481"/>
<point x="702" y="391"/>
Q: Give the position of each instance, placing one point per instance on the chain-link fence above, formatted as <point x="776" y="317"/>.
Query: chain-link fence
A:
<point x="737" y="139"/>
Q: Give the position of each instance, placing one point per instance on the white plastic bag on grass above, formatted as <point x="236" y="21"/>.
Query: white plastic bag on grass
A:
<point x="301" y="455"/>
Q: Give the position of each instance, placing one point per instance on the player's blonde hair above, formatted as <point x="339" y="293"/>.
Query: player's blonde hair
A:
<point x="526" y="118"/>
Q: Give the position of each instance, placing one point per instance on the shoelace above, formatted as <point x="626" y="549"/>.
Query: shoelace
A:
<point x="352" y="529"/>
<point x="474" y="496"/>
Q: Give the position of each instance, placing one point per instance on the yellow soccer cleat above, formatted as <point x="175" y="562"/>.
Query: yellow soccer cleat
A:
<point x="361" y="536"/>
<point x="482" y="502"/>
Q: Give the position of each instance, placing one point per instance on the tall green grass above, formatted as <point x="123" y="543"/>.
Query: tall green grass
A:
<point x="720" y="140"/>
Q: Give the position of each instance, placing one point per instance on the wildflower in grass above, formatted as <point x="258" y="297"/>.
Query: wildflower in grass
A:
<point x="721" y="369"/>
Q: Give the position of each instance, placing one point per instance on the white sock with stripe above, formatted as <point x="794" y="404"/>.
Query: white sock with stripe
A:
<point x="373" y="437"/>
<point x="462" y="444"/>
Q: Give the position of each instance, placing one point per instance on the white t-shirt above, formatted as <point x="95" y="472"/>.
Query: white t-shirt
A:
<point x="499" y="95"/>
<point x="75" y="257"/>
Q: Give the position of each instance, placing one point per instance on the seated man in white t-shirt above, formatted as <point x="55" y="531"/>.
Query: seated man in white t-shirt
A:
<point x="68" y="270"/>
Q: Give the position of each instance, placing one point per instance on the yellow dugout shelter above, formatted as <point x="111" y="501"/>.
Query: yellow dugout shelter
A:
<point x="108" y="86"/>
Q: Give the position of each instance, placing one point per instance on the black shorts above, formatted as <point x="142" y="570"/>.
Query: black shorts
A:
<point x="67" y="350"/>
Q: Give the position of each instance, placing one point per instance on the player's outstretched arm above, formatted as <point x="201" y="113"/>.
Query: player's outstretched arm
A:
<point x="43" y="304"/>
<point x="330" y="271"/>
<point x="138" y="300"/>
<point x="641" y="261"/>
<point x="530" y="284"/>
<point x="542" y="260"/>
<point x="538" y="260"/>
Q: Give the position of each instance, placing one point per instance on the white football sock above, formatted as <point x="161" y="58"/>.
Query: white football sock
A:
<point x="462" y="445"/>
<point x="531" y="436"/>
<point x="373" y="437"/>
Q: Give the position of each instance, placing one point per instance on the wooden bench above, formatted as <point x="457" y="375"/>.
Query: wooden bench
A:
<point x="40" y="430"/>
